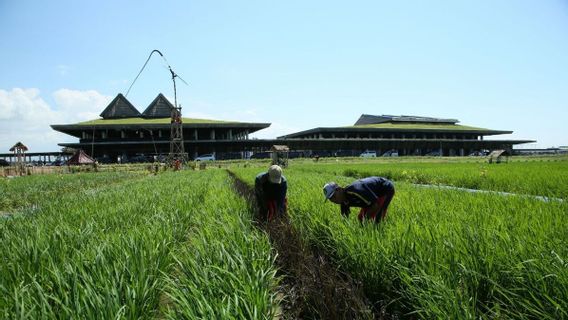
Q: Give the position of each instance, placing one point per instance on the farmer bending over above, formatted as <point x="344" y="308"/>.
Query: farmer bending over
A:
<point x="373" y="195"/>
<point x="270" y="189"/>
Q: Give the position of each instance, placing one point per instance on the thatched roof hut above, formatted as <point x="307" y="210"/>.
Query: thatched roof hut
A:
<point x="79" y="158"/>
<point x="19" y="147"/>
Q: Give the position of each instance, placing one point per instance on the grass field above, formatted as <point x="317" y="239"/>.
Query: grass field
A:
<point x="446" y="253"/>
<point x="184" y="245"/>
<point x="549" y="179"/>
<point x="175" y="245"/>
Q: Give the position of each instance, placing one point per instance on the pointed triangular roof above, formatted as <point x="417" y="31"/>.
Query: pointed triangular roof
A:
<point x="161" y="107"/>
<point x="80" y="157"/>
<point x="20" y="146"/>
<point x="120" y="107"/>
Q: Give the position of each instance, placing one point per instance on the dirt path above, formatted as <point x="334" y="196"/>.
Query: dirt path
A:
<point x="312" y="287"/>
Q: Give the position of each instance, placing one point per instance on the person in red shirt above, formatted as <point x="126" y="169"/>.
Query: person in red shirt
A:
<point x="373" y="195"/>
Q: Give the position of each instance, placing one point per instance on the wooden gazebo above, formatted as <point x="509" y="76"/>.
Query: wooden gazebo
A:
<point x="19" y="150"/>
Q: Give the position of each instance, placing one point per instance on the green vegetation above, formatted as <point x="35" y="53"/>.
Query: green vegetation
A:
<point x="178" y="245"/>
<point x="549" y="179"/>
<point x="147" y="121"/>
<point x="444" y="253"/>
<point x="413" y="126"/>
<point x="34" y="190"/>
<point x="129" y="245"/>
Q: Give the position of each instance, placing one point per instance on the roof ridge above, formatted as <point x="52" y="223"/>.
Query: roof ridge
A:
<point x="120" y="107"/>
<point x="160" y="107"/>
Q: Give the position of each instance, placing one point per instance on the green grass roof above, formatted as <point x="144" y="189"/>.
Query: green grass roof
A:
<point x="432" y="126"/>
<point x="147" y="121"/>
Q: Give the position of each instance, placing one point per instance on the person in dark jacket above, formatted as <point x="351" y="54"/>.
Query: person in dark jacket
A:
<point x="373" y="195"/>
<point x="270" y="190"/>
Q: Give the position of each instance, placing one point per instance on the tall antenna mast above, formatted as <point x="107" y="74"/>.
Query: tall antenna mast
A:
<point x="177" y="154"/>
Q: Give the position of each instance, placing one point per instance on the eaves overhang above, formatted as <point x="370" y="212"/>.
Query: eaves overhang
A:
<point x="391" y="130"/>
<point x="73" y="128"/>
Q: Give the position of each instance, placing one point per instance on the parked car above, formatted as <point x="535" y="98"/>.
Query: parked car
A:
<point x="4" y="163"/>
<point x="478" y="154"/>
<point x="391" y="153"/>
<point x="58" y="162"/>
<point x="368" y="154"/>
<point x="344" y="153"/>
<point x="260" y="155"/>
<point x="140" y="158"/>
<point x="104" y="159"/>
<point x="433" y="154"/>
<point x="206" y="157"/>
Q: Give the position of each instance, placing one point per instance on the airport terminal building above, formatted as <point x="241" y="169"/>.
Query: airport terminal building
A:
<point x="404" y="135"/>
<point x="123" y="132"/>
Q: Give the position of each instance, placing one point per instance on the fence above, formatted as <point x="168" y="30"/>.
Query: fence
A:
<point x="35" y="170"/>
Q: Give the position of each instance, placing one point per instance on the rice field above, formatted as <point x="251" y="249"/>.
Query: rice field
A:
<point x="443" y="253"/>
<point x="185" y="244"/>
<point x="178" y="245"/>
<point x="539" y="178"/>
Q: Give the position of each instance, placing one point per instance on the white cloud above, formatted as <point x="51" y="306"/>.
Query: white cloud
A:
<point x="25" y="116"/>
<point x="80" y="105"/>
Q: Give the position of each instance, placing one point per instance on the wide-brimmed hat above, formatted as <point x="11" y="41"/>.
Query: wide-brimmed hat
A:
<point x="329" y="189"/>
<point x="275" y="174"/>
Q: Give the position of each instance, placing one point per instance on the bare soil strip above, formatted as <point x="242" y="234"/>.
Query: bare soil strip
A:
<point x="312" y="287"/>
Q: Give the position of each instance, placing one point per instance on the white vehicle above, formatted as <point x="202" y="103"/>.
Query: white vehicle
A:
<point x="368" y="154"/>
<point x="206" y="157"/>
<point x="391" y="153"/>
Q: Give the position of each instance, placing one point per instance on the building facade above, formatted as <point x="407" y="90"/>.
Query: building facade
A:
<point x="123" y="132"/>
<point x="402" y="135"/>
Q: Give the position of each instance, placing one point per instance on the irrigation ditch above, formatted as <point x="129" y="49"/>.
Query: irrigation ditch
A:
<point x="501" y="193"/>
<point x="312" y="287"/>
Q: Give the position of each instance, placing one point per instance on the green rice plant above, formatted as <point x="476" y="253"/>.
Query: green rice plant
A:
<point x="227" y="269"/>
<point x="549" y="179"/>
<point x="110" y="252"/>
<point x="444" y="253"/>
<point x="27" y="191"/>
<point x="90" y="255"/>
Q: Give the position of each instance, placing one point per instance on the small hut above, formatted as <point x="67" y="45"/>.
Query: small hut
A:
<point x="279" y="155"/>
<point x="498" y="156"/>
<point x="80" y="158"/>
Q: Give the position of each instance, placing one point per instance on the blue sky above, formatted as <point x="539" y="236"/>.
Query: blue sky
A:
<point x="295" y="64"/>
